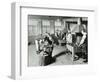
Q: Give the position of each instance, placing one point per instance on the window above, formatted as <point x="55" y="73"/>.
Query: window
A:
<point x="46" y="26"/>
<point x="58" y="25"/>
<point x="34" y="27"/>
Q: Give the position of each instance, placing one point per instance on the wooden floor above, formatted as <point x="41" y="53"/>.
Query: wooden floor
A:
<point x="59" y="54"/>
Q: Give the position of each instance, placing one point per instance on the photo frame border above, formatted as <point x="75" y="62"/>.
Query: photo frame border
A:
<point x="16" y="64"/>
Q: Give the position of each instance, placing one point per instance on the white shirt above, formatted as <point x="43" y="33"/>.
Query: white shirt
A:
<point x="69" y="38"/>
<point x="83" y="38"/>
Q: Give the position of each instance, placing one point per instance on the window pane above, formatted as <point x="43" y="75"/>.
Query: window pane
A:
<point x="34" y="27"/>
<point x="58" y="25"/>
<point x="46" y="26"/>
